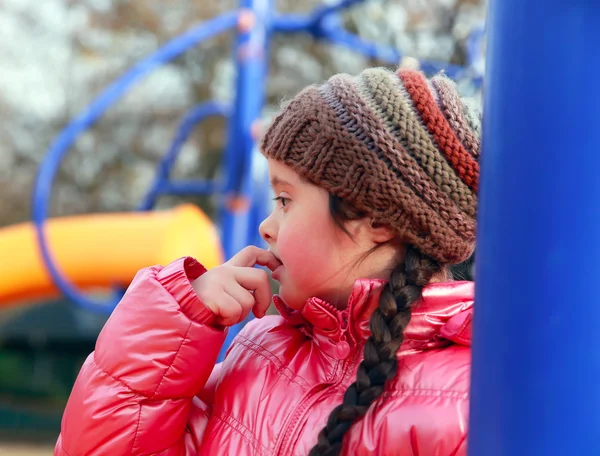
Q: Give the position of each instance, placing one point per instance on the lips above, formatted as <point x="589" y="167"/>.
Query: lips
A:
<point x="275" y="255"/>
<point x="276" y="274"/>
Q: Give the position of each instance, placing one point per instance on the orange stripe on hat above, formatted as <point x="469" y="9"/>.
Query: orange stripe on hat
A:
<point x="460" y="160"/>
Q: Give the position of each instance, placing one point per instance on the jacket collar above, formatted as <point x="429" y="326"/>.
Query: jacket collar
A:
<point x="442" y="315"/>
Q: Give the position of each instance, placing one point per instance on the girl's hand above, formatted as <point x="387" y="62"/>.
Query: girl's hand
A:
<point x="235" y="288"/>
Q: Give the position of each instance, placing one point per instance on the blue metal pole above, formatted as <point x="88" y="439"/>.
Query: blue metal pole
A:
<point x="251" y="47"/>
<point x="251" y="62"/>
<point x="536" y="360"/>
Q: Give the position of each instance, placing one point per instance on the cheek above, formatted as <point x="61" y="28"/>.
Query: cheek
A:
<point x="307" y="250"/>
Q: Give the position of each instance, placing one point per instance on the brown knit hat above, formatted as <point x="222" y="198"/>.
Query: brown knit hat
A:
<point x="397" y="147"/>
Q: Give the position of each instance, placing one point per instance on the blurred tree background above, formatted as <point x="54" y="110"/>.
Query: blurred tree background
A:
<point x="57" y="55"/>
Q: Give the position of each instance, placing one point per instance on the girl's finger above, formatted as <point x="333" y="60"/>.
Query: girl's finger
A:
<point x="230" y="310"/>
<point x="244" y="297"/>
<point x="256" y="280"/>
<point x="251" y="256"/>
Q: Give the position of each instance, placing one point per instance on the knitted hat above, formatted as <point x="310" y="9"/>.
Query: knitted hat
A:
<point x="397" y="147"/>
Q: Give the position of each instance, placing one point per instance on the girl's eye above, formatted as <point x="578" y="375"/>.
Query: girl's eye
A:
<point x="282" y="200"/>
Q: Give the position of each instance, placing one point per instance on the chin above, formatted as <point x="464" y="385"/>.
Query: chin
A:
<point x="291" y="299"/>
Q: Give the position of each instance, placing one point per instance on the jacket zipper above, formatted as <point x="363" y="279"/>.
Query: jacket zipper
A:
<point x="288" y="440"/>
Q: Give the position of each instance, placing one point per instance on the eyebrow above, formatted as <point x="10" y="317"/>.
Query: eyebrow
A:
<point x="277" y="181"/>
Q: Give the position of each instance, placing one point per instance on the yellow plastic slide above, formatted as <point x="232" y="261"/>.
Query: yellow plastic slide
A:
<point x="100" y="251"/>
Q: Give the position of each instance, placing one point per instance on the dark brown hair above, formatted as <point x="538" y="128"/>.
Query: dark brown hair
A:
<point x="387" y="323"/>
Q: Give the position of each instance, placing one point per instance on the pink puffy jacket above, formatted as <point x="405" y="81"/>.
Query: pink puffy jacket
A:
<point x="152" y="387"/>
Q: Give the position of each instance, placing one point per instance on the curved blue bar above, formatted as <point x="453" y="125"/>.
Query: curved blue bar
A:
<point x="325" y="24"/>
<point x="536" y="340"/>
<point x="160" y="184"/>
<point x="238" y="223"/>
<point x="320" y="12"/>
<point x="54" y="156"/>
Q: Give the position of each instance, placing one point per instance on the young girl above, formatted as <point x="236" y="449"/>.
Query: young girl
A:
<point x="375" y="179"/>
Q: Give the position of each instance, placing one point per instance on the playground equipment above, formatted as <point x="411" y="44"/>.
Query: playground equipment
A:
<point x="103" y="250"/>
<point x="535" y="374"/>
<point x="242" y="190"/>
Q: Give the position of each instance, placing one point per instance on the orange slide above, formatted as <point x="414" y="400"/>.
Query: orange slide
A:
<point x="102" y="250"/>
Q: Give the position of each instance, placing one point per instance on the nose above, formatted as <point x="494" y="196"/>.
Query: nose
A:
<point x="268" y="229"/>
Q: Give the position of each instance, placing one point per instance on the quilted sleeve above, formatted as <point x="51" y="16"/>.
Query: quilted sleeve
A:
<point x="137" y="392"/>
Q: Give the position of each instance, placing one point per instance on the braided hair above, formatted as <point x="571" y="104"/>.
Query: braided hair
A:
<point x="387" y="324"/>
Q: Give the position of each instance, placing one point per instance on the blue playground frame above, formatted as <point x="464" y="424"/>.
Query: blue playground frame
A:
<point x="243" y="196"/>
<point x="534" y="386"/>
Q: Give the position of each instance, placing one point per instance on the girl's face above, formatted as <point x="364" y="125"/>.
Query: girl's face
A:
<point x="318" y="258"/>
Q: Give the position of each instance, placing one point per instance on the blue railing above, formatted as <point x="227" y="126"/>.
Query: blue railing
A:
<point x="243" y="199"/>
